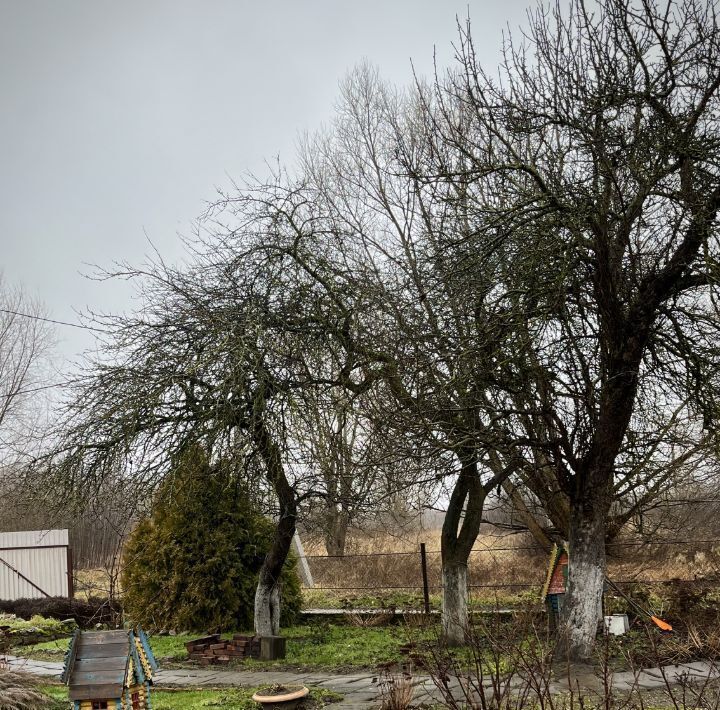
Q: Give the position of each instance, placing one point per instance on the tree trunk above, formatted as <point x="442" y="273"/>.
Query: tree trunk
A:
<point x="336" y="529"/>
<point x="267" y="594"/>
<point x="456" y="543"/>
<point x="267" y="606"/>
<point x="454" y="603"/>
<point x="582" y="608"/>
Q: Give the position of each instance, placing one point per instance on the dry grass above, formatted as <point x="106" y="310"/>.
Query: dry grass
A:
<point x="664" y="562"/>
<point x="18" y="691"/>
<point x="96" y="582"/>
<point x="383" y="569"/>
<point x="396" y="690"/>
<point x="499" y="567"/>
<point x="361" y="620"/>
<point x="382" y="561"/>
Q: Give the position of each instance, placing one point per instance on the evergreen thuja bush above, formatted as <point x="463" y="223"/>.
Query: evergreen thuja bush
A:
<point x="193" y="564"/>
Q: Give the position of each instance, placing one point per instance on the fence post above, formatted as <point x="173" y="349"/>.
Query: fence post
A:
<point x="426" y="589"/>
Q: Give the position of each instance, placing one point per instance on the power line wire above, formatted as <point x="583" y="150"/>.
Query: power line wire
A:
<point x="32" y="316"/>
<point x="52" y="320"/>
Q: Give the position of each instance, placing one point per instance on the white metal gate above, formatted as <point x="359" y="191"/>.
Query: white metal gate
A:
<point x="35" y="564"/>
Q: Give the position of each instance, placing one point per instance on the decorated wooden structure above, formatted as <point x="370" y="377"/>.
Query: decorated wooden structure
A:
<point x="556" y="583"/>
<point x="109" y="670"/>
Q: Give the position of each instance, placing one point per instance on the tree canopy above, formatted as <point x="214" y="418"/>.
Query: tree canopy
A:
<point x="514" y="275"/>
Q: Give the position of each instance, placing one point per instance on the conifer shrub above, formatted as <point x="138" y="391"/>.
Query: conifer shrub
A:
<point x="193" y="564"/>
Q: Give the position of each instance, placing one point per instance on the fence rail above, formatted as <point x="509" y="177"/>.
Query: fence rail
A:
<point x="420" y="570"/>
<point x="519" y="548"/>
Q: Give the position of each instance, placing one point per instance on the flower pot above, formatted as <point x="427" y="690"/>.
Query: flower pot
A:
<point x="281" y="697"/>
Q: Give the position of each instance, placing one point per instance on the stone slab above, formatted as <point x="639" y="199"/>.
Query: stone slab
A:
<point x="361" y="690"/>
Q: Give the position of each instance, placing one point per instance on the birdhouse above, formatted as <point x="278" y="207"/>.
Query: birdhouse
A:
<point x="109" y="670"/>
<point x="556" y="583"/>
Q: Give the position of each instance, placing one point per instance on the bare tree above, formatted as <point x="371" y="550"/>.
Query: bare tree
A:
<point x="518" y="276"/>
<point x="354" y="459"/>
<point x="216" y="355"/>
<point x="371" y="231"/>
<point x="25" y="339"/>
<point x="599" y="150"/>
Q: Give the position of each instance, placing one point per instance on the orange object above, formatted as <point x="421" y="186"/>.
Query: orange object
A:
<point x="661" y="624"/>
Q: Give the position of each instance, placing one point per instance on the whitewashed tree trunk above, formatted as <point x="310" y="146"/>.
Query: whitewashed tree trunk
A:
<point x="459" y="532"/>
<point x="267" y="609"/>
<point x="267" y="594"/>
<point x="455" y="607"/>
<point x="582" y="609"/>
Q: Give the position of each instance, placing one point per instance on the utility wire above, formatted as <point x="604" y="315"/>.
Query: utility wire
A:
<point x="52" y="320"/>
<point x="30" y="390"/>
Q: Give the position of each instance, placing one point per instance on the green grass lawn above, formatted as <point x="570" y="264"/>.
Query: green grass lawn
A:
<point x="228" y="698"/>
<point x="320" y="646"/>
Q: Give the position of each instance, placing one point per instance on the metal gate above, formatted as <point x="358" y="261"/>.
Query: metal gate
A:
<point x="35" y="564"/>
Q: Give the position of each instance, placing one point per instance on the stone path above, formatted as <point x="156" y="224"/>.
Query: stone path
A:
<point x="361" y="690"/>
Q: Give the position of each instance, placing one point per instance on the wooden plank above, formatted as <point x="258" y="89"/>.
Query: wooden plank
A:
<point x="142" y="636"/>
<point x="107" y="650"/>
<point x="114" y="663"/>
<point x="72" y="655"/>
<point x="94" y="637"/>
<point x="397" y="612"/>
<point x="95" y="692"/>
<point x="302" y="563"/>
<point x="97" y="677"/>
<point x="212" y="638"/>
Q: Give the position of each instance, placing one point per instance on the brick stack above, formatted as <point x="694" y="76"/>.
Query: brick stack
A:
<point x="212" y="650"/>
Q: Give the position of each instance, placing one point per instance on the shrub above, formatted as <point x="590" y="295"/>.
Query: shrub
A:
<point x="193" y="564"/>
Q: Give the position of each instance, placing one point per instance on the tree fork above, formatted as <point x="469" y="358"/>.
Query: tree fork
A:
<point x="456" y="546"/>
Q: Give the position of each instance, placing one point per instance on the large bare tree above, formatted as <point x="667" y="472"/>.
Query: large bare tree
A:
<point x="517" y="274"/>
<point x="218" y="353"/>
<point x="599" y="145"/>
<point x="370" y="232"/>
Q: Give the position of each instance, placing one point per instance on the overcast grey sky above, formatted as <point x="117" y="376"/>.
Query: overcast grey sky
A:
<point x="120" y="118"/>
